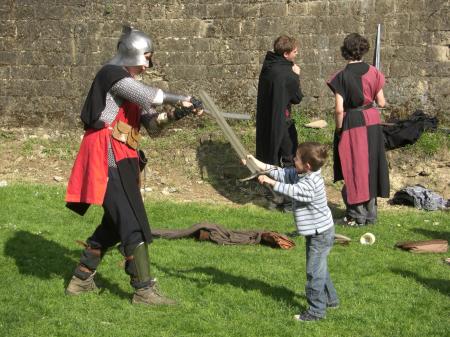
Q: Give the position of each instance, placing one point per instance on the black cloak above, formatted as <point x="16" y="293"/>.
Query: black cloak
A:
<point x="95" y="101"/>
<point x="278" y="88"/>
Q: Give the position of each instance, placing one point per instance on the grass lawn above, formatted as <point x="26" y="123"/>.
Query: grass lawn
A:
<point x="222" y="290"/>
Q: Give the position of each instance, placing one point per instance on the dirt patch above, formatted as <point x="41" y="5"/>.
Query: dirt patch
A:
<point x="199" y="167"/>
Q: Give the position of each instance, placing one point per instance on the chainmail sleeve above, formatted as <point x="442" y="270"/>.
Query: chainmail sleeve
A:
<point x="136" y="92"/>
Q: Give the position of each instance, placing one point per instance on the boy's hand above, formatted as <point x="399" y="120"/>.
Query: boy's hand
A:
<point x="259" y="164"/>
<point x="262" y="179"/>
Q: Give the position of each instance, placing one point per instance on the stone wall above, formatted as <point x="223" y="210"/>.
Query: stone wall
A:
<point x="51" y="49"/>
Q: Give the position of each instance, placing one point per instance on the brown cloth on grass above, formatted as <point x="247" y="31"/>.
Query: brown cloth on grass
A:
<point x="427" y="246"/>
<point x="222" y="236"/>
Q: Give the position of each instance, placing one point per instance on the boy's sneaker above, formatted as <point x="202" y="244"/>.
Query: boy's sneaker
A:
<point x="348" y="222"/>
<point x="307" y="317"/>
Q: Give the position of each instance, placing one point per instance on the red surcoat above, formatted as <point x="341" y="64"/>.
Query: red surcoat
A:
<point x="89" y="177"/>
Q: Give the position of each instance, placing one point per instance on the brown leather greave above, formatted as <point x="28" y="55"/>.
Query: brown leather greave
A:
<point x="89" y="261"/>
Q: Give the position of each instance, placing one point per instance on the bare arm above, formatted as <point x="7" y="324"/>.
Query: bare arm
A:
<point x="379" y="98"/>
<point x="339" y="111"/>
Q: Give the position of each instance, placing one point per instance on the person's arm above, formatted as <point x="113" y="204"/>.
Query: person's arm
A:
<point x="259" y="164"/>
<point x="339" y="111"/>
<point x="302" y="191"/>
<point x="380" y="100"/>
<point x="146" y="96"/>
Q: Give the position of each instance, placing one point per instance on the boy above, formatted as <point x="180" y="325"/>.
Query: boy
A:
<point x="305" y="186"/>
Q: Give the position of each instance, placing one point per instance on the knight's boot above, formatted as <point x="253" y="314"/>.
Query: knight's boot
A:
<point x="138" y="267"/>
<point x="78" y="286"/>
<point x="83" y="278"/>
<point x="151" y="296"/>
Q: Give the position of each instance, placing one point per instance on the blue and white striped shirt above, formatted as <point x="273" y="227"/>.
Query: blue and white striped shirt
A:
<point x="309" y="200"/>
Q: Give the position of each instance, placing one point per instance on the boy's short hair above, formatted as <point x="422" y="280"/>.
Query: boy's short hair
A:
<point x="284" y="44"/>
<point x="354" y="47"/>
<point x="313" y="153"/>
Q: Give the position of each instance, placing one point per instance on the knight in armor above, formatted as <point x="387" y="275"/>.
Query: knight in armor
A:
<point x="107" y="168"/>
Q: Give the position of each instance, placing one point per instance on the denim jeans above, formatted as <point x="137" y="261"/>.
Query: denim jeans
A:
<point x="319" y="289"/>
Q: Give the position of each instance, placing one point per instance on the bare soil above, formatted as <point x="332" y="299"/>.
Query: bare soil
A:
<point x="203" y="169"/>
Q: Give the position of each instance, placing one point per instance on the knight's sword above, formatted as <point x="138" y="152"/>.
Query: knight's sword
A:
<point x="227" y="130"/>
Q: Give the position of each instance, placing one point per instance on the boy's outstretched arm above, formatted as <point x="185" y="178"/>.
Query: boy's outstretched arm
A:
<point x="259" y="164"/>
<point x="263" y="179"/>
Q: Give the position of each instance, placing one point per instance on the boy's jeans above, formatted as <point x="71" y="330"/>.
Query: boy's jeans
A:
<point x="319" y="289"/>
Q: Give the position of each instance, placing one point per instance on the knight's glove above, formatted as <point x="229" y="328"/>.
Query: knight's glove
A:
<point x="182" y="111"/>
<point x="197" y="104"/>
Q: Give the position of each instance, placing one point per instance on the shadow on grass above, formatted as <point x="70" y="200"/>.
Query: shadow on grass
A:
<point x="220" y="166"/>
<point x="278" y="293"/>
<point x="443" y="286"/>
<point x="432" y="234"/>
<point x="42" y="258"/>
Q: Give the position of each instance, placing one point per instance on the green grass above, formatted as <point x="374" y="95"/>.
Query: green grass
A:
<point x="430" y="143"/>
<point x="222" y="290"/>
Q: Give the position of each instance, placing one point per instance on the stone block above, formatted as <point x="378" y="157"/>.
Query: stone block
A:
<point x="195" y="11"/>
<point x="274" y="9"/>
<point x="384" y="7"/>
<point x="438" y="53"/>
<point x="229" y="27"/>
<point x="310" y="71"/>
<point x="329" y="69"/>
<point x="246" y="11"/>
<point x="53" y="29"/>
<point x="399" y="38"/>
<point x="410" y="53"/>
<point x="269" y="26"/>
<point x="48" y="11"/>
<point x="340" y="8"/>
<point x="309" y="25"/>
<point x="318" y="8"/>
<point x="298" y="9"/>
<point x="15" y="87"/>
<point x="5" y="72"/>
<point x="396" y="23"/>
<point x="199" y="44"/>
<point x="435" y="69"/>
<point x="264" y="43"/>
<point x="399" y="69"/>
<point x="221" y="10"/>
<point x="22" y="12"/>
<point x="248" y="28"/>
<point x="8" y="29"/>
<point x="411" y="6"/>
<point x="8" y="58"/>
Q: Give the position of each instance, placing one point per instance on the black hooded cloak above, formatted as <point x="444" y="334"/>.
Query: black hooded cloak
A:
<point x="278" y="88"/>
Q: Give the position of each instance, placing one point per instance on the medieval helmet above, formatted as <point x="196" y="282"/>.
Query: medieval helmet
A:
<point x="132" y="46"/>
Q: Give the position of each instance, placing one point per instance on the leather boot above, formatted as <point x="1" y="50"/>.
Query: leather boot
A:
<point x="151" y="296"/>
<point x="78" y="286"/>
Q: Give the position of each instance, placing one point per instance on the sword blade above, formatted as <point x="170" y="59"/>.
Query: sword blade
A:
<point x="227" y="130"/>
<point x="232" y="115"/>
<point x="377" y="50"/>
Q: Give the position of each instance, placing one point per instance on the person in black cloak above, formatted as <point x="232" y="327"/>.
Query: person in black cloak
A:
<point x="278" y="89"/>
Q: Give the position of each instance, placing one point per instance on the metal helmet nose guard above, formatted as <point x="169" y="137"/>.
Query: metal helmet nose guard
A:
<point x="132" y="46"/>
